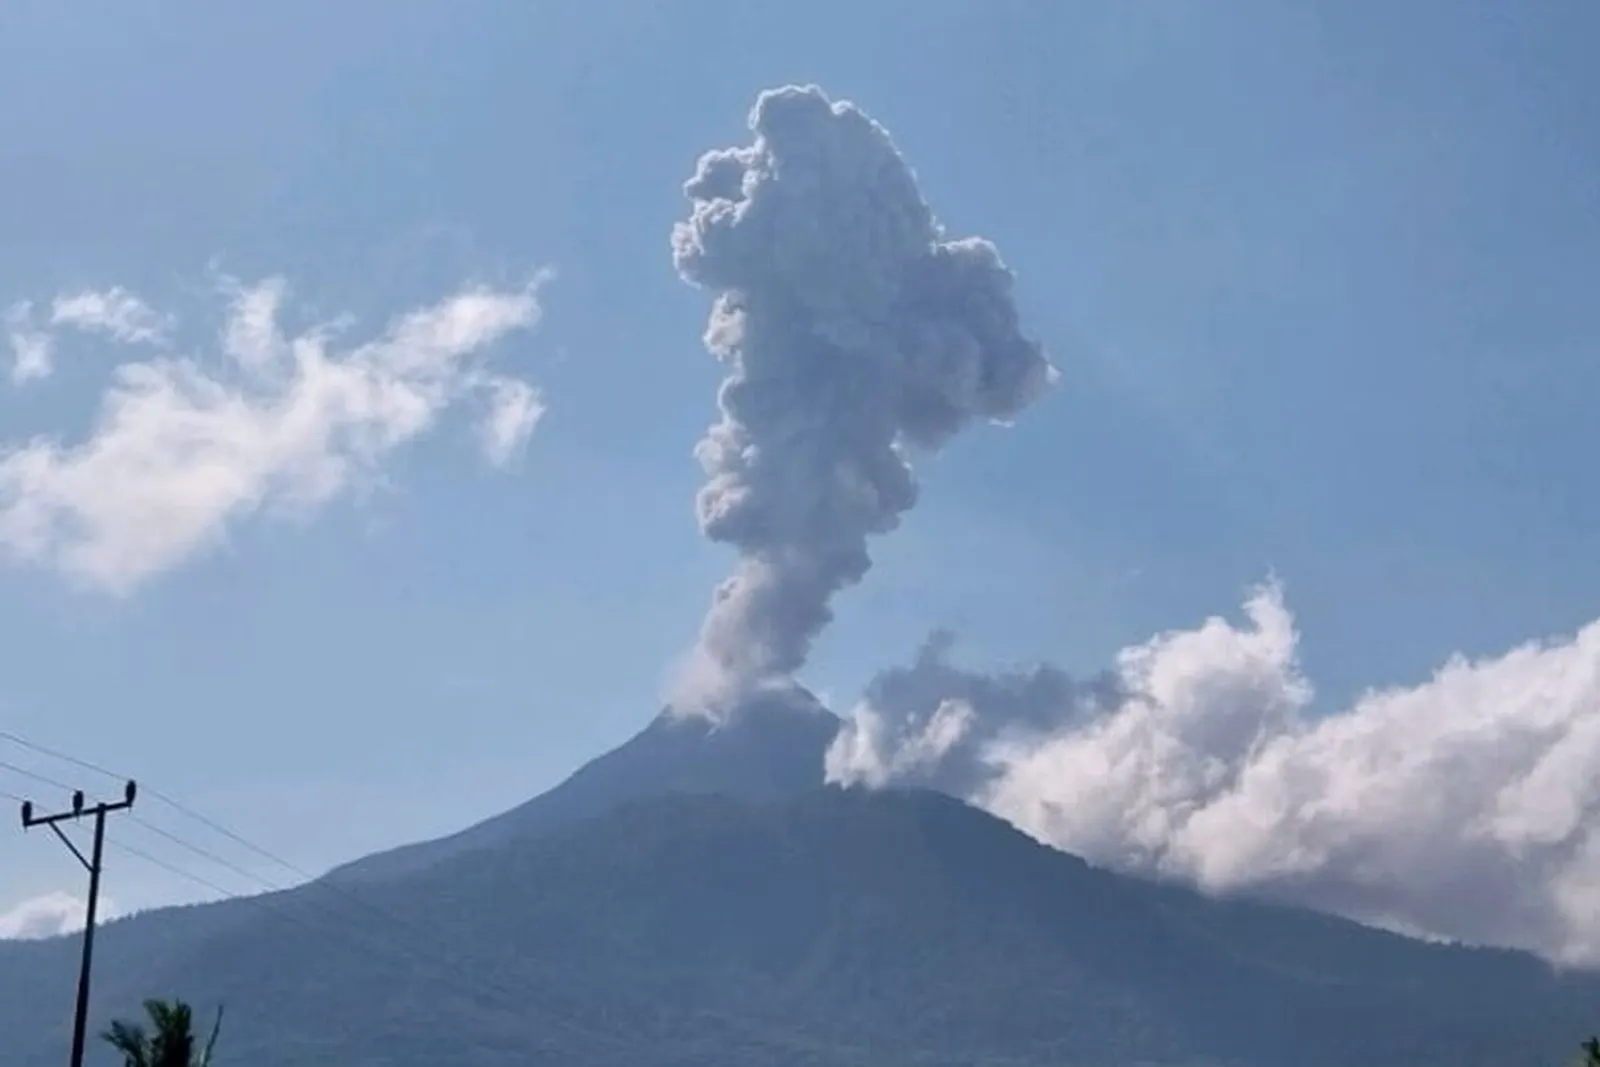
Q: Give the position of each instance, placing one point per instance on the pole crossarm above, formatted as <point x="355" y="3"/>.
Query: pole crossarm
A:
<point x="78" y="810"/>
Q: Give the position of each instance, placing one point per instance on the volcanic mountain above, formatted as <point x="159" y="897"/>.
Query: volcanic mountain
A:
<point x="697" y="897"/>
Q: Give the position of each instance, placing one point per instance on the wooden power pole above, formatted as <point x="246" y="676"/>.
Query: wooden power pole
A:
<point x="92" y="865"/>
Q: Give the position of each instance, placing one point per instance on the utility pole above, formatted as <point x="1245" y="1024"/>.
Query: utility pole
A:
<point x="92" y="865"/>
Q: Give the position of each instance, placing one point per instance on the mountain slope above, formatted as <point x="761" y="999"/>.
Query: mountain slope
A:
<point x="773" y="748"/>
<point x="825" y="928"/>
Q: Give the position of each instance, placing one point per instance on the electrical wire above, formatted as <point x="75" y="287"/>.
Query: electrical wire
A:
<point x="42" y="779"/>
<point x="7" y="735"/>
<point x="387" y="951"/>
<point x="266" y="903"/>
<point x="203" y="853"/>
<point x="321" y="884"/>
<point x="472" y="977"/>
<point x="249" y="876"/>
<point x="171" y="802"/>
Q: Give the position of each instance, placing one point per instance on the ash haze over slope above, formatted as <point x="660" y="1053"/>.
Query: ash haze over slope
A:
<point x="851" y="329"/>
<point x="1464" y="807"/>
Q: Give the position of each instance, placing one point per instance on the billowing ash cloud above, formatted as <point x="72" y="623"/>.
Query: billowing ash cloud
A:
<point x="929" y="724"/>
<point x="1467" y="807"/>
<point x="850" y="328"/>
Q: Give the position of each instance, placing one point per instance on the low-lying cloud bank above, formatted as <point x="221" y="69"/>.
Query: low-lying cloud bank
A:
<point x="1462" y="808"/>
<point x="257" y="420"/>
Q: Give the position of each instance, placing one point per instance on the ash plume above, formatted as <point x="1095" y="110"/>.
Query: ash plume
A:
<point x="852" y="329"/>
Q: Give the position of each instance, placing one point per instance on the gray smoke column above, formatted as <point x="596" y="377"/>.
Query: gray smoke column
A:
<point x="851" y="328"/>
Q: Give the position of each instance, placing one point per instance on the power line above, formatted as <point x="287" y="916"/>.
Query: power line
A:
<point x="266" y="903"/>
<point x="212" y="857"/>
<point x="417" y="932"/>
<point x="415" y="951"/>
<point x="385" y="952"/>
<point x="82" y="764"/>
<point x="262" y="901"/>
<point x="42" y="779"/>
<point x="171" y="802"/>
<point x="176" y="805"/>
<point x="205" y="854"/>
<point x="172" y="869"/>
<point x="410" y="952"/>
<point x="235" y="838"/>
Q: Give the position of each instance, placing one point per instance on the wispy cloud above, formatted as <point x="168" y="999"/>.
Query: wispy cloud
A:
<point x="32" y="352"/>
<point x="515" y="408"/>
<point x="273" y="422"/>
<point x="114" y="312"/>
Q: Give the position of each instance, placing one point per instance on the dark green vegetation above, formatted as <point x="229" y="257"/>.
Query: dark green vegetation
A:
<point x="612" y="925"/>
<point x="166" y="1040"/>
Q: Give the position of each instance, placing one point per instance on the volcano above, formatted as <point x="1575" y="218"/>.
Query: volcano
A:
<point x="698" y="897"/>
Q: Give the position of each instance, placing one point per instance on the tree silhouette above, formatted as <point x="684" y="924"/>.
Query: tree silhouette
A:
<point x="169" y="1041"/>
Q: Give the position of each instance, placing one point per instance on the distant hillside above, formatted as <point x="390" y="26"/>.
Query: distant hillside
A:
<point x="827" y="928"/>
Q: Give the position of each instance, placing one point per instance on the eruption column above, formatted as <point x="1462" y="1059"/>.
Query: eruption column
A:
<point x="850" y="328"/>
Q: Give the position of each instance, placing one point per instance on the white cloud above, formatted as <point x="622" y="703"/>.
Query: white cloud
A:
<point x="184" y="445"/>
<point x="114" y="312"/>
<point x="515" y="408"/>
<point x="51" y="915"/>
<point x="1466" y="808"/>
<point x="32" y="351"/>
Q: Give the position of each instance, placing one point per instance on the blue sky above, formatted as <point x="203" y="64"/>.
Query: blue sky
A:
<point x="1317" y="278"/>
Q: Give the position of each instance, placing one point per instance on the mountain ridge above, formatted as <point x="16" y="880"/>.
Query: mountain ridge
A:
<point x="773" y="746"/>
<point x="700" y="898"/>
